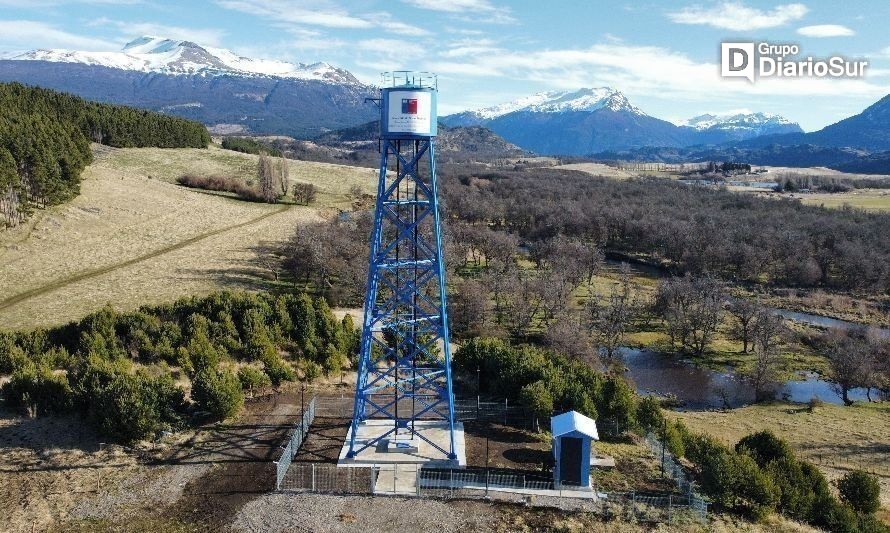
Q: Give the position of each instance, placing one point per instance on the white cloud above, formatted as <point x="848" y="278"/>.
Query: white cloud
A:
<point x="738" y="16"/>
<point x="492" y="13"/>
<point x="826" y="30"/>
<point x="203" y="36"/>
<point x="638" y="70"/>
<point x="305" y="13"/>
<point x="18" y="34"/>
<point x="323" y="13"/>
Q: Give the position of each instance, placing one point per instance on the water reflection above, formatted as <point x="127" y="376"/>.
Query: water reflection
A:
<point x="701" y="388"/>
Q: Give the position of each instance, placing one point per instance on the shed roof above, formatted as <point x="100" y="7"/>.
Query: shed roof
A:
<point x="572" y="421"/>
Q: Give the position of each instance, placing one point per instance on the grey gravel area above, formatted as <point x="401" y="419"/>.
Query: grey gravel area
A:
<point x="321" y="512"/>
<point x="153" y="488"/>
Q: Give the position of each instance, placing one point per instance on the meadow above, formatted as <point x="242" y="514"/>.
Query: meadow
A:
<point x="836" y="438"/>
<point x="133" y="237"/>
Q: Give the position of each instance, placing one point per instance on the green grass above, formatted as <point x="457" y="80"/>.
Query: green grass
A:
<point x="834" y="437"/>
<point x="868" y="199"/>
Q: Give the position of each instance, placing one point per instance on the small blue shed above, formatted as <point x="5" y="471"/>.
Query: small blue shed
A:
<point x="573" y="434"/>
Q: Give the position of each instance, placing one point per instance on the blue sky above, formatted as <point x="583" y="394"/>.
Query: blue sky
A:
<point x="663" y="55"/>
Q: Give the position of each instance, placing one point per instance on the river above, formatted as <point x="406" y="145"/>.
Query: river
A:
<point x="702" y="388"/>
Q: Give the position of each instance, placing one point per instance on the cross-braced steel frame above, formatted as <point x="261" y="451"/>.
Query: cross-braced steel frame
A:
<point x="404" y="372"/>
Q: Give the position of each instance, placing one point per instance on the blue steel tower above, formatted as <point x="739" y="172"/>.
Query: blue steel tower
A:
<point x="404" y="372"/>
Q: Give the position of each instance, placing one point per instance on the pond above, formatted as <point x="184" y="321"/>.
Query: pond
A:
<point x="702" y="388"/>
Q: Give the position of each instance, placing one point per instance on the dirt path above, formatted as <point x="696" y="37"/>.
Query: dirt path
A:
<point x="58" y="284"/>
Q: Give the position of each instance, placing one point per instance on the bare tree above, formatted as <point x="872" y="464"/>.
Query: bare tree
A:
<point x="743" y="311"/>
<point x="848" y="356"/>
<point x="566" y="335"/>
<point x="691" y="309"/>
<point x="607" y="321"/>
<point x="266" y="176"/>
<point x="767" y="333"/>
<point x="283" y="176"/>
<point x="521" y="301"/>
<point x="468" y="307"/>
<point x="304" y="193"/>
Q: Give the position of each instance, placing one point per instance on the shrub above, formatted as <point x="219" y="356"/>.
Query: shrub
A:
<point x="649" y="415"/>
<point x="223" y="184"/>
<point x="252" y="378"/>
<point x="277" y="370"/>
<point x="12" y="357"/>
<point x="217" y="392"/>
<point x="312" y="371"/>
<point x="38" y="390"/>
<point x="536" y="398"/>
<point x="860" y="491"/>
<point x="764" y="447"/>
<point x="125" y="406"/>
<point x="333" y="361"/>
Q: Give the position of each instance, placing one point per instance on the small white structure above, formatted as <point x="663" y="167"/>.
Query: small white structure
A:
<point x="573" y="436"/>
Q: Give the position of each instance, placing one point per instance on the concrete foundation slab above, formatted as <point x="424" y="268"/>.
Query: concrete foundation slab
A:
<point x="419" y="452"/>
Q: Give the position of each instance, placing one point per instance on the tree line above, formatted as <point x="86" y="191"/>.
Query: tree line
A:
<point x="118" y="369"/>
<point x="247" y="145"/>
<point x="685" y="229"/>
<point x="45" y="143"/>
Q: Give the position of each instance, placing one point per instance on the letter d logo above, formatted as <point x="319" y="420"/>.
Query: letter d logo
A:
<point x="737" y="60"/>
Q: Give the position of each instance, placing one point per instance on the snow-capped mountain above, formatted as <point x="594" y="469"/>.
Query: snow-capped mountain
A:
<point x="168" y="56"/>
<point x="572" y="122"/>
<point x="715" y="128"/>
<point x="212" y="85"/>
<point x="582" y="100"/>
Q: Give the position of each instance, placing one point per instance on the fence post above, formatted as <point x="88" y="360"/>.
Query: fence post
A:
<point x="277" y="477"/>
<point x="451" y="482"/>
<point x="505" y="410"/>
<point x="669" y="509"/>
<point x="373" y="478"/>
<point x="633" y="505"/>
<point x="313" y="477"/>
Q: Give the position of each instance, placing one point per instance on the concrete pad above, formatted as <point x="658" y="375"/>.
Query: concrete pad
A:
<point x="424" y="454"/>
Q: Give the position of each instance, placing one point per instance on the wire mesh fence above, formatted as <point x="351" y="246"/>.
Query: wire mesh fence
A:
<point x="676" y="472"/>
<point x="409" y="480"/>
<point x="289" y="450"/>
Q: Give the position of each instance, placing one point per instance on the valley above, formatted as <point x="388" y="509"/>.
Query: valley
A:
<point x="635" y="300"/>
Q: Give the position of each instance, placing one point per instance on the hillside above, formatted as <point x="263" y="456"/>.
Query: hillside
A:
<point x="461" y="142"/>
<point x="133" y="237"/>
<point x="592" y="120"/>
<point x="214" y="86"/>
<point x="44" y="143"/>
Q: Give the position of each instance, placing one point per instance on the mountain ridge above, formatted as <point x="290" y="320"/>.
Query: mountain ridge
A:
<point x="180" y="57"/>
<point x="588" y="120"/>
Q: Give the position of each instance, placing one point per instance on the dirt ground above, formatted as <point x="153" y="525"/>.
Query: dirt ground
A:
<point x="58" y="476"/>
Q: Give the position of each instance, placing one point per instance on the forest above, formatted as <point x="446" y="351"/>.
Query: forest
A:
<point x="45" y="143"/>
<point x="734" y="237"/>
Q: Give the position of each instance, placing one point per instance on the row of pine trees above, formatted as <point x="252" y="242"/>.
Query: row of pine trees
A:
<point x="45" y="143"/>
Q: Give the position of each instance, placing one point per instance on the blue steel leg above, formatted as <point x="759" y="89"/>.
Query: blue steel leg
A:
<point x="443" y="308"/>
<point x="358" y="409"/>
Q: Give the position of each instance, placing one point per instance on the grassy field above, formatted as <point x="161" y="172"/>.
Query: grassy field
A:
<point x="836" y="438"/>
<point x="868" y="199"/>
<point x="133" y="237"/>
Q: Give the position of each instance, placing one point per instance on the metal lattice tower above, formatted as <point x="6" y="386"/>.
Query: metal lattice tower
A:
<point x="404" y="372"/>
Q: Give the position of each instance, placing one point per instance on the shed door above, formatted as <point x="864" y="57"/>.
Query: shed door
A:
<point x="570" y="460"/>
